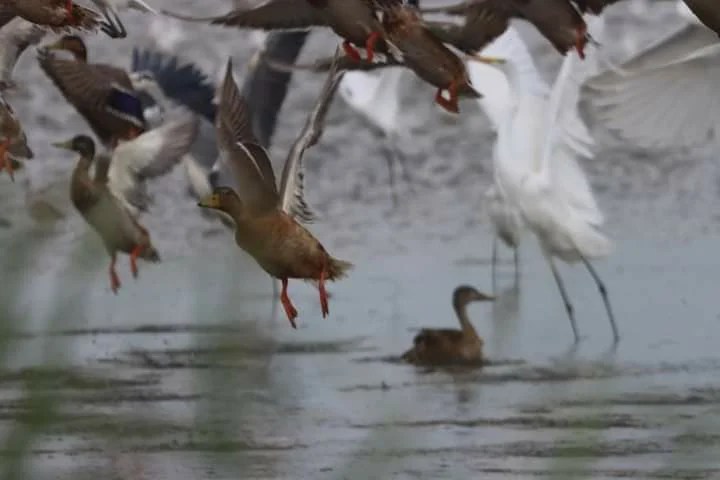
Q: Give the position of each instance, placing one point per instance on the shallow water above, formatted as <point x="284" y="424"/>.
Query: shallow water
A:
<point x="187" y="374"/>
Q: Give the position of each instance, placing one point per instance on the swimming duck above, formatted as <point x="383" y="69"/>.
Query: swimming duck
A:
<point x="427" y="56"/>
<point x="59" y="15"/>
<point x="448" y="346"/>
<point x="119" y="230"/>
<point x="102" y="94"/>
<point x="15" y="37"/>
<point x="13" y="142"/>
<point x="356" y="21"/>
<point x="557" y="20"/>
<point x="265" y="218"/>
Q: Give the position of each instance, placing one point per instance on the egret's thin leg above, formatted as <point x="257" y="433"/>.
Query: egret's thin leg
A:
<point x="566" y="299"/>
<point x="494" y="262"/>
<point x="606" y="299"/>
<point x="517" y="265"/>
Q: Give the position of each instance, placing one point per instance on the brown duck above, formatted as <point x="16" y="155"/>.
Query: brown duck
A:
<point x="356" y="21"/>
<point x="448" y="346"/>
<point x="59" y="15"/>
<point x="119" y="230"/>
<point x="102" y="94"/>
<point x="265" y="218"/>
<point x="13" y="141"/>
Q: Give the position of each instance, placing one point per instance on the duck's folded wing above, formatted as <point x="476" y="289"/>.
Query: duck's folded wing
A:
<point x="267" y="14"/>
<point x="152" y="154"/>
<point x="292" y="190"/>
<point x="483" y="24"/>
<point x="672" y="104"/>
<point x="15" y="37"/>
<point x="240" y="152"/>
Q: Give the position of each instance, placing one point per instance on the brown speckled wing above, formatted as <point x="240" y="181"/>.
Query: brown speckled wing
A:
<point x="87" y="88"/>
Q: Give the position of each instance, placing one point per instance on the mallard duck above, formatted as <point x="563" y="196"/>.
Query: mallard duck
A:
<point x="102" y="94"/>
<point x="13" y="142"/>
<point x="60" y="15"/>
<point x="448" y="346"/>
<point x="356" y="21"/>
<point x="265" y="218"/>
<point x="15" y="37"/>
<point x="427" y="56"/>
<point x="557" y="20"/>
<point x="119" y="230"/>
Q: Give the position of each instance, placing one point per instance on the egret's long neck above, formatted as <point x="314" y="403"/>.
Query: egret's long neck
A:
<point x="467" y="328"/>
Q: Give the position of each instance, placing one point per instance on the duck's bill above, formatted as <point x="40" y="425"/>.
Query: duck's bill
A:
<point x="66" y="145"/>
<point x="488" y="60"/>
<point x="211" y="201"/>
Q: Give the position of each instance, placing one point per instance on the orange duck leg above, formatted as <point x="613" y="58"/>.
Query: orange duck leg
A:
<point x="323" y="295"/>
<point x="350" y="51"/>
<point x="287" y="304"/>
<point x="5" y="161"/>
<point x="370" y="45"/>
<point x="133" y="260"/>
<point x="450" y="104"/>
<point x="114" y="279"/>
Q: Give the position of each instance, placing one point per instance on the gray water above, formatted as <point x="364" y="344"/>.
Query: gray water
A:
<point x="188" y="373"/>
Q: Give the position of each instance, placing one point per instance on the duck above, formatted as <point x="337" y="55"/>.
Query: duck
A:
<point x="427" y="56"/>
<point x="446" y="346"/>
<point x="356" y="21"/>
<point x="58" y="15"/>
<point x="266" y="217"/>
<point x="15" y="37"/>
<point x="102" y="94"/>
<point x="557" y="20"/>
<point x="13" y="141"/>
<point x="101" y="209"/>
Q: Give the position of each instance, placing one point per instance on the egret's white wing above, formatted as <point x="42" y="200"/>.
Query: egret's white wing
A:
<point x="375" y="96"/>
<point x="15" y="37"/>
<point x="151" y="154"/>
<point x="674" y="104"/>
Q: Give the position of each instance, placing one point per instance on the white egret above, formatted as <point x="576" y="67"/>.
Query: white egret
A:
<point x="665" y="95"/>
<point x="536" y="169"/>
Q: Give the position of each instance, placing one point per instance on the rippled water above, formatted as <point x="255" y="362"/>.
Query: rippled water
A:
<point x="187" y="375"/>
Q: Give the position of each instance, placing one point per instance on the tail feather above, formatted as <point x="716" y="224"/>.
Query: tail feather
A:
<point x="338" y="269"/>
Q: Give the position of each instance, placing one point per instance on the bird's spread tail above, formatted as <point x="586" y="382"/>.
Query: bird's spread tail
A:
<point x="338" y="269"/>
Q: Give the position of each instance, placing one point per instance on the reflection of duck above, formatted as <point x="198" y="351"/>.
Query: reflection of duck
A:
<point x="448" y="346"/>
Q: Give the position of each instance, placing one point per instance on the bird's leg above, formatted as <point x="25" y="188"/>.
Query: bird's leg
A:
<point x="134" y="254"/>
<point x="350" y="51"/>
<point x="566" y="299"/>
<point x="370" y="45"/>
<point x="604" y="295"/>
<point x="287" y="304"/>
<point x="493" y="267"/>
<point x="323" y="295"/>
<point x="114" y="279"/>
<point x="581" y="38"/>
<point x="6" y="161"/>
<point x="517" y="265"/>
<point x="451" y="103"/>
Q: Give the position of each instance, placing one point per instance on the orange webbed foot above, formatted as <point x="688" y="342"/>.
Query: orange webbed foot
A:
<point x="287" y="304"/>
<point x="133" y="260"/>
<point x="350" y="51"/>
<point x="323" y="295"/>
<point x="370" y="45"/>
<point x="114" y="279"/>
<point x="451" y="103"/>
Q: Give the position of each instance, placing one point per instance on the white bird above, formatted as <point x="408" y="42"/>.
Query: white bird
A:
<point x="666" y="95"/>
<point x="109" y="8"/>
<point x="376" y="97"/>
<point x="15" y="37"/>
<point x="536" y="163"/>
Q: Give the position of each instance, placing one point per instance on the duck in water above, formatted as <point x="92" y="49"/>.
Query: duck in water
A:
<point x="446" y="346"/>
